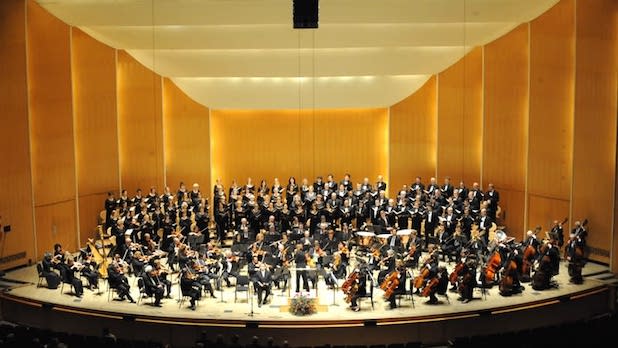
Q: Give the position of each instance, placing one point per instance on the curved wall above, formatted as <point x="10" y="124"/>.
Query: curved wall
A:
<point x="534" y="112"/>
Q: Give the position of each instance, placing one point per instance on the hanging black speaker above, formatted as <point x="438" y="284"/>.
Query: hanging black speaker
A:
<point x="306" y="13"/>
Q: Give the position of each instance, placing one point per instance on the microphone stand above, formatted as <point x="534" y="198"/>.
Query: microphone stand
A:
<point x="251" y="295"/>
<point x="335" y="287"/>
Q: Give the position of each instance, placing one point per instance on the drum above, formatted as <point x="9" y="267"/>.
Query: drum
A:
<point x="404" y="235"/>
<point x="364" y="239"/>
<point x="383" y="237"/>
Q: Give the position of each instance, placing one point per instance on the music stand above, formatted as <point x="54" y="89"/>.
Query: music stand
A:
<point x="411" y="275"/>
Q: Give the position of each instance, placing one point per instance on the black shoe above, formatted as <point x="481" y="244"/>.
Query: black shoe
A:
<point x="192" y="307"/>
<point x="158" y="304"/>
<point x="259" y="304"/>
<point x="356" y="309"/>
<point x="213" y="296"/>
<point x="465" y="300"/>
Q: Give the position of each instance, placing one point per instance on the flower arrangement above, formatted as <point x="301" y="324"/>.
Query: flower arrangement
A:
<point x="302" y="305"/>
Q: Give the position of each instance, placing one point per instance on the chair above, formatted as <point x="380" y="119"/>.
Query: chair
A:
<point x="183" y="297"/>
<point x="242" y="284"/>
<point x="110" y="288"/>
<point x="142" y="291"/>
<point x="39" y="269"/>
<point x="64" y="277"/>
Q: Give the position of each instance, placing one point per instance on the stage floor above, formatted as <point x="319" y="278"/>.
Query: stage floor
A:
<point x="332" y="307"/>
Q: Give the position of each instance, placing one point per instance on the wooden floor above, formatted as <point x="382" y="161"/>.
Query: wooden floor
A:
<point x="331" y="304"/>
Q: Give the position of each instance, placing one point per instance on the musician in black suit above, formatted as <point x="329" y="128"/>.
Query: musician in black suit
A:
<point x="190" y="287"/>
<point x="380" y="184"/>
<point x="67" y="272"/>
<point x="263" y="279"/>
<point x="416" y="215"/>
<point x="575" y="255"/>
<point x="557" y="233"/>
<point x="152" y="285"/>
<point x="484" y="223"/>
<point x="431" y="221"/>
<point x="383" y="222"/>
<point x="447" y="188"/>
<point x="118" y="280"/>
<point x="580" y="231"/>
<point x="244" y="231"/>
<point x="52" y="278"/>
<point x="346" y="182"/>
<point x="110" y="205"/>
<point x="492" y="198"/>
<point x="394" y="242"/>
<point x="416" y="186"/>
<point x="300" y="260"/>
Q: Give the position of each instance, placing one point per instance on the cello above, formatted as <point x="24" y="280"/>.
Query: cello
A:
<point x="528" y="258"/>
<point x="390" y="283"/>
<point x="508" y="278"/>
<point x="430" y="287"/>
<point x="492" y="267"/>
<point x="459" y="267"/>
<point x="350" y="286"/>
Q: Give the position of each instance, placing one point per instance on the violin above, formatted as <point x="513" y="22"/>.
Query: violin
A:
<point x="310" y="261"/>
<point x="390" y="283"/>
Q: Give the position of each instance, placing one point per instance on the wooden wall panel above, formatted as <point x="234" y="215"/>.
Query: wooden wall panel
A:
<point x="96" y="134"/>
<point x="351" y="141"/>
<point x="15" y="180"/>
<point x="56" y="223"/>
<point x="594" y="147"/>
<point x="90" y="206"/>
<point x="543" y="211"/>
<point x="187" y="139"/>
<point x="552" y="61"/>
<point x="51" y="125"/>
<point x="51" y="113"/>
<point x="140" y="128"/>
<point x="506" y="122"/>
<point x="413" y="137"/>
<point x="283" y="143"/>
<point x="460" y="119"/>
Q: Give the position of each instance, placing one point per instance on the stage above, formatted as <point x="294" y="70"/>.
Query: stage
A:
<point x="413" y="321"/>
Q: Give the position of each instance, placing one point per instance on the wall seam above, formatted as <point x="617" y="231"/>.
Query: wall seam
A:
<point x="117" y="122"/>
<point x="482" y="114"/>
<point x="573" y="115"/>
<point x="74" y="121"/>
<point x="527" y="127"/>
<point x="29" y="116"/>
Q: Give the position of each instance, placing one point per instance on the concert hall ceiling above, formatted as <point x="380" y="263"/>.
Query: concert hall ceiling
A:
<point x="244" y="54"/>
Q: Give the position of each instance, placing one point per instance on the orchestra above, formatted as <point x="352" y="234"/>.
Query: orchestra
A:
<point x="342" y="232"/>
